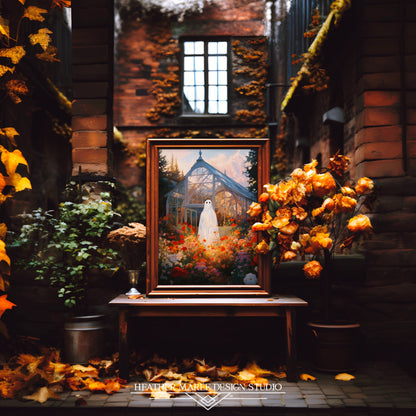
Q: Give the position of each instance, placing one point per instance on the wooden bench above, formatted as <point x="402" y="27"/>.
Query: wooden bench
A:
<point x="276" y="306"/>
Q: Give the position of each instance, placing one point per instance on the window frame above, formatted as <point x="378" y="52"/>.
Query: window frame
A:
<point x="194" y="115"/>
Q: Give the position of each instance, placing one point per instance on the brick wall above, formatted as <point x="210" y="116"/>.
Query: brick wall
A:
<point x="147" y="50"/>
<point x="371" y="59"/>
<point x="92" y="76"/>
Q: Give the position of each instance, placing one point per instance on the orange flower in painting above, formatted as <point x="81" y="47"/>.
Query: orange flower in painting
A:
<point x="359" y="224"/>
<point x="310" y="166"/>
<point x="299" y="213"/>
<point x="312" y="269"/>
<point x="259" y="226"/>
<point x="282" y="218"/>
<point x="264" y="197"/>
<point x="266" y="217"/>
<point x="290" y="229"/>
<point x="254" y="209"/>
<point x="328" y="205"/>
<point x="346" y="190"/>
<point x="270" y="188"/>
<point x="319" y="241"/>
<point x="323" y="183"/>
<point x="364" y="186"/>
<point x="262" y="247"/>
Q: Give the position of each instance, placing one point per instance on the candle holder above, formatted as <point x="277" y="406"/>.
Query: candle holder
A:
<point x="133" y="280"/>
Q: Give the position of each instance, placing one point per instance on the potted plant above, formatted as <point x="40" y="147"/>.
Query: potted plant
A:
<point x="67" y="248"/>
<point x="313" y="214"/>
<point x="130" y="242"/>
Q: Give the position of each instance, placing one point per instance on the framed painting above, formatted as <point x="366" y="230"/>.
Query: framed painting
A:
<point x="200" y="240"/>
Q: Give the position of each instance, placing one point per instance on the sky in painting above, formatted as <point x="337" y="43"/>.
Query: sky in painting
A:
<point x="232" y="162"/>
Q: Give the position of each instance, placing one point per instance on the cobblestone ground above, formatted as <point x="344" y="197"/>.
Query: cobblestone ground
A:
<point x="379" y="388"/>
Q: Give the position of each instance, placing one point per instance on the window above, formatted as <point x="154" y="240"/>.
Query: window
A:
<point x="205" y="77"/>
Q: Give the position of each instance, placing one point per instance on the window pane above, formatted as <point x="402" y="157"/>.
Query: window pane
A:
<point x="188" y="63"/>
<point x="188" y="48"/>
<point x="199" y="78"/>
<point x="189" y="93"/>
<point x="222" y="93"/>
<point x="212" y="48"/>
<point x="222" y="48"/>
<point x="212" y="78"/>
<point x="200" y="93"/>
<point x="189" y="78"/>
<point x="213" y="107"/>
<point x="212" y="93"/>
<point x="222" y="78"/>
<point x="222" y="107"/>
<point x="200" y="107"/>
<point x="199" y="63"/>
<point x="199" y="48"/>
<point x="212" y="63"/>
<point x="222" y="63"/>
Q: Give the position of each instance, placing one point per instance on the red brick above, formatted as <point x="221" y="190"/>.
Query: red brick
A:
<point x="375" y="116"/>
<point x="410" y="62"/>
<point x="89" y="123"/>
<point x="96" y="54"/>
<point x="411" y="149"/>
<point x="371" y="64"/>
<point x="380" y="98"/>
<point x="96" y="36"/>
<point x="379" y="46"/>
<point x="394" y="222"/>
<point x="381" y="12"/>
<point x="89" y="156"/>
<point x="89" y="107"/>
<point x="410" y="80"/>
<point x="397" y="186"/>
<point x="95" y="168"/>
<point x="91" y="72"/>
<point x="411" y="116"/>
<point x="92" y="17"/>
<point x="411" y="133"/>
<point x="380" y="29"/>
<point x="91" y="89"/>
<point x="380" y="168"/>
<point x="378" y="134"/>
<point x="375" y="151"/>
<point x="82" y="139"/>
<point x="380" y="81"/>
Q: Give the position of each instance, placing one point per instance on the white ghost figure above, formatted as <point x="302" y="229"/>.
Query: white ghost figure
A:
<point x="208" y="225"/>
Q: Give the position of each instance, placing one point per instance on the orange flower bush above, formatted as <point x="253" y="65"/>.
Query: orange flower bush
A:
<point x="312" y="214"/>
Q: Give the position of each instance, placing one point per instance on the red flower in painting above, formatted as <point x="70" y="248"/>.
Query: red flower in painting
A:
<point x="178" y="272"/>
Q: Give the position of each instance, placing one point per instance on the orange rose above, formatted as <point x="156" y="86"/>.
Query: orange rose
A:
<point x="264" y="197"/>
<point x="312" y="269"/>
<point x="364" y="186"/>
<point x="254" y="209"/>
<point x="290" y="229"/>
<point x="259" y="226"/>
<point x="344" y="203"/>
<point x="262" y="247"/>
<point x="323" y="183"/>
<point x="299" y="213"/>
<point x="359" y="224"/>
<point x="310" y="166"/>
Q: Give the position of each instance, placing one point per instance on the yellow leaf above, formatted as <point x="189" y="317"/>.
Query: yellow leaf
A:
<point x="3" y="231"/>
<point x="4" y="69"/>
<point x="15" y="54"/>
<point x="12" y="159"/>
<point x="42" y="395"/>
<point x="344" y="377"/>
<point x="10" y="133"/>
<point x="23" y="2"/>
<point x="160" y="394"/>
<point x="5" y="304"/>
<point x="49" y="54"/>
<point x="4" y="27"/>
<point x="22" y="184"/>
<point x="35" y="13"/>
<point x="307" y="377"/>
<point x="3" y="255"/>
<point x="14" y="88"/>
<point x="42" y="38"/>
<point x="245" y="375"/>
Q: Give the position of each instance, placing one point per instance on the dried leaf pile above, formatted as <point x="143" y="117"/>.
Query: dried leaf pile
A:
<point x="39" y="378"/>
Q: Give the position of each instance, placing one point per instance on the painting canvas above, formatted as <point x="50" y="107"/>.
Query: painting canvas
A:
<point x="204" y="236"/>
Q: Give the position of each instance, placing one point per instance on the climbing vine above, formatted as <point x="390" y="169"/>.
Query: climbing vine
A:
<point x="252" y="56"/>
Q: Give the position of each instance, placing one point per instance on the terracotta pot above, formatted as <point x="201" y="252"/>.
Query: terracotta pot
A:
<point x="335" y="346"/>
<point x="83" y="338"/>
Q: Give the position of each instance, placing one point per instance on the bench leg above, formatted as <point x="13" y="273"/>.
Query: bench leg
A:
<point x="123" y="345"/>
<point x="291" y="357"/>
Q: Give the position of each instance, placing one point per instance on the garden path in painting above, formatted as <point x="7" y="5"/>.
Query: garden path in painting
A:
<point x="188" y="179"/>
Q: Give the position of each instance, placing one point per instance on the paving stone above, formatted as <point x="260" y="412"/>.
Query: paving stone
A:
<point x="335" y="402"/>
<point x="318" y="406"/>
<point x="139" y="403"/>
<point x="272" y="403"/>
<point x="161" y="403"/>
<point x="354" y="403"/>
